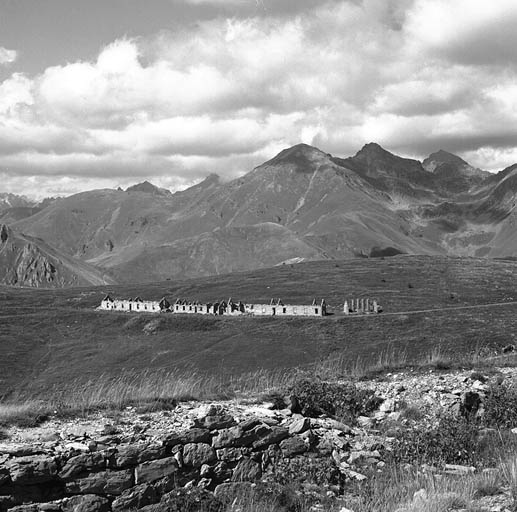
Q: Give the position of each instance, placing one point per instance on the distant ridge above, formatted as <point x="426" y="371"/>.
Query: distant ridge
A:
<point x="301" y="205"/>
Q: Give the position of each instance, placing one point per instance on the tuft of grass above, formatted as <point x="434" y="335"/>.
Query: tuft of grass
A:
<point x="411" y="412"/>
<point x="509" y="471"/>
<point x="500" y="406"/>
<point x="438" y="359"/>
<point x="488" y="484"/>
<point x="28" y="413"/>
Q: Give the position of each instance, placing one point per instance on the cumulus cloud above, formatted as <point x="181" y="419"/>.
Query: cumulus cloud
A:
<point x="7" y="56"/>
<point x="225" y="94"/>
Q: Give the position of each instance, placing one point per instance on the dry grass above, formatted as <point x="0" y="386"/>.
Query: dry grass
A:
<point x="24" y="413"/>
<point x="161" y="389"/>
<point x="509" y="470"/>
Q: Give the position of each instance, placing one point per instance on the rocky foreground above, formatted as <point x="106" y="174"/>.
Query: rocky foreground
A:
<point x="152" y="461"/>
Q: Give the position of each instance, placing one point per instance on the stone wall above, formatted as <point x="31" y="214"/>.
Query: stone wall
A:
<point x="217" y="454"/>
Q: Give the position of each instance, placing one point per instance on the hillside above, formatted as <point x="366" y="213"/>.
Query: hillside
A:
<point x="302" y="205"/>
<point x="55" y="337"/>
<point x="27" y="261"/>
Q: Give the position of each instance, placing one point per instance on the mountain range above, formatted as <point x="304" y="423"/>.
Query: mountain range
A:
<point x="304" y="204"/>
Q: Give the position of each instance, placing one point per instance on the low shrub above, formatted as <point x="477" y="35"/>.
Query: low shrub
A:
<point x="191" y="500"/>
<point x="319" y="471"/>
<point x="500" y="406"/>
<point x="343" y="400"/>
<point x="454" y="440"/>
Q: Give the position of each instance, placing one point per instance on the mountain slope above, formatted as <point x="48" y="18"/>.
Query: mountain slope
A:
<point x="26" y="261"/>
<point x="301" y="205"/>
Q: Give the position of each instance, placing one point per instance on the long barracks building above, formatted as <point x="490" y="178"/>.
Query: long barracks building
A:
<point x="224" y="307"/>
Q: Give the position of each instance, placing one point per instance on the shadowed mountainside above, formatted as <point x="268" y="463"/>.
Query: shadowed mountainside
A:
<point x="27" y="261"/>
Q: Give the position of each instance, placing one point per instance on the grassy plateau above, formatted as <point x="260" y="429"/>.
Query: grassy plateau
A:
<point x="52" y="338"/>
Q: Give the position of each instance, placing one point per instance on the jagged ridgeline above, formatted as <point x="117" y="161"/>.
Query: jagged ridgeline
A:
<point x="302" y="205"/>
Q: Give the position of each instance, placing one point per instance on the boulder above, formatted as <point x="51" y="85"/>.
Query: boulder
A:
<point x="156" y="469"/>
<point x="230" y="454"/>
<point x="87" y="503"/>
<point x="292" y="446"/>
<point x="228" y="437"/>
<point x="299" y="425"/>
<point x="32" y="470"/>
<point x="135" y="498"/>
<point x="53" y="506"/>
<point x="237" y="437"/>
<point x="249" y="423"/>
<point x="20" y="449"/>
<point x="269" y="436"/>
<point x="197" y="454"/>
<point x="194" y="435"/>
<point x="24" y="508"/>
<point x="221" y="471"/>
<point x="111" y="483"/>
<point x="134" y="454"/>
<point x="83" y="463"/>
<point x="470" y="403"/>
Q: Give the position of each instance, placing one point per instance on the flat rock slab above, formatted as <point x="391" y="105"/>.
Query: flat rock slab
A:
<point x="156" y="469"/>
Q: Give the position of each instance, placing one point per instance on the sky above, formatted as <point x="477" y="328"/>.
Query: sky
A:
<point x="102" y="93"/>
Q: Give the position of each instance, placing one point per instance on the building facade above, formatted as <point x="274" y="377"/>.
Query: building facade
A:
<point x="224" y="307"/>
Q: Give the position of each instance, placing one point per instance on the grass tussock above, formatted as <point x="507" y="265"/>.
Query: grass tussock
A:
<point x="27" y="413"/>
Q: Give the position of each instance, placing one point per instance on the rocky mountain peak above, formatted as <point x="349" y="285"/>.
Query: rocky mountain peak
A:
<point x="301" y="156"/>
<point x="448" y="164"/>
<point x="434" y="160"/>
<point x="372" y="148"/>
<point x="148" y="188"/>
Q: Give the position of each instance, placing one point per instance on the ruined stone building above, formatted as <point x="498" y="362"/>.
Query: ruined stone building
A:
<point x="134" y="305"/>
<point x="224" y="307"/>
<point x="278" y="308"/>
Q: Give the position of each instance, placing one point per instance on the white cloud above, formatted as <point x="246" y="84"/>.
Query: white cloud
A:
<point x="7" y="56"/>
<point x="223" y="95"/>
